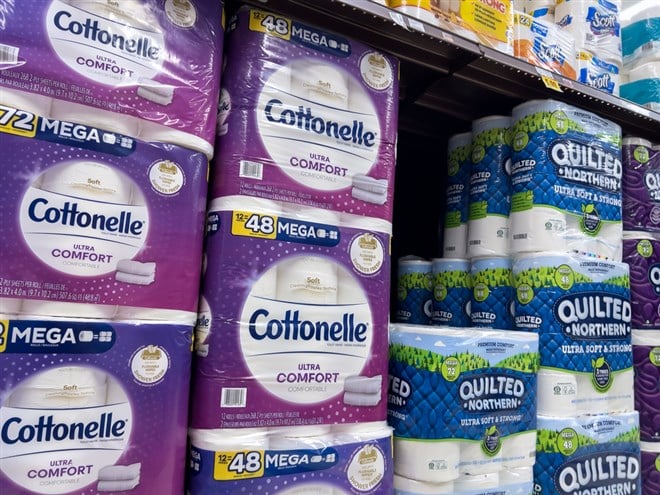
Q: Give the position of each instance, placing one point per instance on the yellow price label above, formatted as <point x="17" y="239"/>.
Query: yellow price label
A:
<point x="4" y="334"/>
<point x="551" y="83"/>
<point x="268" y="23"/>
<point x="235" y="465"/>
<point x="18" y="122"/>
<point x="250" y="224"/>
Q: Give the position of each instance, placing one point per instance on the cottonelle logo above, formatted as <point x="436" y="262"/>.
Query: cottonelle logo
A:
<point x="82" y="235"/>
<point x="302" y="351"/>
<point x="106" y="44"/>
<point x="317" y="143"/>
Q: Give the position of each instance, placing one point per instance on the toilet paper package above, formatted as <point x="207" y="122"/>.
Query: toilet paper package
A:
<point x="451" y="292"/>
<point x="641" y="185"/>
<point x="490" y="187"/>
<point x="141" y="65"/>
<point x="542" y="43"/>
<point x="594" y="24"/>
<point x="414" y="303"/>
<point x="650" y="468"/>
<point x="598" y="73"/>
<point x="81" y="405"/>
<point x="459" y="163"/>
<point x="332" y="462"/>
<point x="99" y="224"/>
<point x="461" y="401"/>
<point x="580" y="307"/>
<point x="643" y="86"/>
<point x="296" y="327"/>
<point x="492" y="293"/>
<point x="566" y="180"/>
<point x="642" y="253"/>
<point x="646" y="360"/>
<point x="588" y="454"/>
<point x="640" y="37"/>
<point x="311" y="119"/>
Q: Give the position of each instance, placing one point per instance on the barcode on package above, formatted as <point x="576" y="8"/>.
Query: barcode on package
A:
<point x="251" y="170"/>
<point x="233" y="397"/>
<point x="8" y="54"/>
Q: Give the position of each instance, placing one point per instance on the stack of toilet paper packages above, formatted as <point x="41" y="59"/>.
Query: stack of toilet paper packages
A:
<point x="339" y="459"/>
<point x="514" y="481"/>
<point x="459" y="163"/>
<point x="99" y="224"/>
<point x="82" y="402"/>
<point x="135" y="67"/>
<point x="566" y="181"/>
<point x="646" y="359"/>
<point x="461" y="402"/>
<point x="293" y="328"/>
<point x="491" y="295"/>
<point x="650" y="468"/>
<point x="451" y="292"/>
<point x="596" y="28"/>
<point x="414" y="302"/>
<point x="588" y="455"/>
<point x="489" y="196"/>
<point x="543" y="44"/>
<point x="641" y="57"/>
<point x="309" y="117"/>
<point x="580" y="307"/>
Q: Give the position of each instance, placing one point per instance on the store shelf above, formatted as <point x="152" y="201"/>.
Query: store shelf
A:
<point x="446" y="80"/>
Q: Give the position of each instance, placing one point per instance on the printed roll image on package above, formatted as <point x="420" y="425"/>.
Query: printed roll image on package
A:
<point x="311" y="117"/>
<point x="296" y="327"/>
<point x="99" y="224"/>
<point x="82" y="405"/>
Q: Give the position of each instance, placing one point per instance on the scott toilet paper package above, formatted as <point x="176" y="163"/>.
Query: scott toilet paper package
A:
<point x="598" y="73"/>
<point x="147" y="68"/>
<point x="641" y="185"/>
<point x="461" y="401"/>
<point x="646" y="359"/>
<point x="588" y="454"/>
<point x="641" y="251"/>
<point x="296" y="330"/>
<point x="311" y="117"/>
<point x="580" y="307"/>
<point x="298" y="460"/>
<point x="566" y="178"/>
<point x="81" y="407"/>
<point x="99" y="224"/>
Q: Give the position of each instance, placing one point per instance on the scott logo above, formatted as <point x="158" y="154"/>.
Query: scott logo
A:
<point x="602" y="81"/>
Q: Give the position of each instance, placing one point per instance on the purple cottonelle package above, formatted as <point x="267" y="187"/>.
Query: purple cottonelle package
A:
<point x="646" y="362"/>
<point x="641" y="251"/>
<point x="97" y="224"/>
<point x="145" y="68"/>
<point x="293" y="318"/>
<point x="307" y="117"/>
<point x="641" y="185"/>
<point x="650" y="468"/>
<point x="82" y="407"/>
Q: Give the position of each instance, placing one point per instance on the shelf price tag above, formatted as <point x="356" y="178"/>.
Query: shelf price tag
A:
<point x="551" y="83"/>
<point x="235" y="465"/>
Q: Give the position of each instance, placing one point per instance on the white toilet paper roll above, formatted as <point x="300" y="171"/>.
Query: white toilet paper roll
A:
<point x="368" y="224"/>
<point x="476" y="482"/>
<point x="246" y="203"/>
<point x="366" y="183"/>
<point x="10" y="306"/>
<point x="363" y="384"/>
<point x="152" y="90"/>
<point x="307" y="279"/>
<point x="647" y="70"/>
<point x="301" y="437"/>
<point x="266" y="285"/>
<point x="95" y="117"/>
<point x="310" y="214"/>
<point x="60" y="388"/>
<point x="361" y="399"/>
<point x="455" y="242"/>
<point x="620" y="396"/>
<point x="588" y="398"/>
<point x="323" y="83"/>
<point x="556" y="393"/>
<point x="229" y="439"/>
<point x="116" y="473"/>
<point x="349" y="290"/>
<point x="607" y="244"/>
<point x="89" y="180"/>
<point x="30" y="102"/>
<point x="133" y="313"/>
<point x="518" y="475"/>
<point x="157" y="133"/>
<point x="519" y="450"/>
<point x="537" y="229"/>
<point x="488" y="237"/>
<point x="134" y="279"/>
<point x="145" y="269"/>
<point x="403" y="485"/>
<point x="475" y="462"/>
<point x="369" y="196"/>
<point x="427" y="460"/>
<point x="360" y="432"/>
<point x="34" y="307"/>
